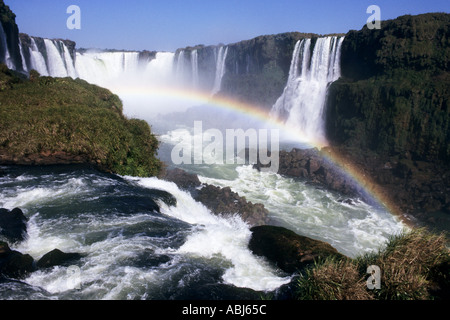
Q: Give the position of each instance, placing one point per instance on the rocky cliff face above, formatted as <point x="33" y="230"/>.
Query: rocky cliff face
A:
<point x="391" y="108"/>
<point x="393" y="96"/>
<point x="26" y="45"/>
<point x="257" y="69"/>
<point x="8" y="22"/>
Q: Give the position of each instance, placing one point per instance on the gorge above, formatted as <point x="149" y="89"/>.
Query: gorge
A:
<point x="376" y="100"/>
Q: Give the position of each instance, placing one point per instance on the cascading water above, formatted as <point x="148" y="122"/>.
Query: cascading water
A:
<point x="104" y="68"/>
<point x="55" y="59"/>
<point x="220" y="69"/>
<point x="37" y="59"/>
<point x="194" y="64"/>
<point x="5" y="52"/>
<point x="130" y="251"/>
<point x="301" y="104"/>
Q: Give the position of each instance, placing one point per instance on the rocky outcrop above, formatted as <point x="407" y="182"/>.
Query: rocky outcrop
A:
<point x="314" y="167"/>
<point x="8" y="22"/>
<point x="76" y="122"/>
<point x="393" y="95"/>
<point x="13" y="225"/>
<point x="257" y="69"/>
<point x="57" y="258"/>
<point x="414" y="187"/>
<point x="221" y="201"/>
<point x="389" y="113"/>
<point x="14" y="264"/>
<point x="287" y="250"/>
<point x="184" y="180"/>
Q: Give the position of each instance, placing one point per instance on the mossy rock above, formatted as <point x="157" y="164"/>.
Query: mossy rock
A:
<point x="60" y="121"/>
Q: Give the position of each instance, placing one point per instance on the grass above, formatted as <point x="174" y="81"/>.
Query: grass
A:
<point x="414" y="266"/>
<point x="47" y="115"/>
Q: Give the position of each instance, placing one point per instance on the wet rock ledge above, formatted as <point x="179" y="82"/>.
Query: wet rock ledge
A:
<point x="16" y="265"/>
<point x="221" y="201"/>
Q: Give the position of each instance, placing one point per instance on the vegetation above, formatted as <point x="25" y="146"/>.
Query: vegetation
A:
<point x="393" y="96"/>
<point x="45" y="115"/>
<point x="414" y="265"/>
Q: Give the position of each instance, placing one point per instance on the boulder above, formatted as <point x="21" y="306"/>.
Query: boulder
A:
<point x="287" y="250"/>
<point x="313" y="166"/>
<point x="14" y="264"/>
<point x="182" y="179"/>
<point x="13" y="225"/>
<point x="57" y="258"/>
<point x="223" y="201"/>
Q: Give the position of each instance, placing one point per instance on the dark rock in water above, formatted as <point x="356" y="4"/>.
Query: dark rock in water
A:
<point x="57" y="258"/>
<point x="222" y="291"/>
<point x="223" y="201"/>
<point x="14" y="264"/>
<point x="13" y="225"/>
<point x="147" y="259"/>
<point x="287" y="250"/>
<point x="312" y="165"/>
<point x="182" y="179"/>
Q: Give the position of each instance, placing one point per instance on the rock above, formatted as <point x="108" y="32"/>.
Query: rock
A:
<point x="14" y="264"/>
<point x="312" y="166"/>
<point x="57" y="258"/>
<point x="223" y="201"/>
<point x="182" y="179"/>
<point x="13" y="224"/>
<point x="287" y="250"/>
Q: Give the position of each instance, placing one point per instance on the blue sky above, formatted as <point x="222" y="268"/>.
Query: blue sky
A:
<point x="171" y="24"/>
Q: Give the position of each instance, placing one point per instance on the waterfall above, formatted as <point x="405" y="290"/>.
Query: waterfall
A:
<point x="24" y="63"/>
<point x="70" y="65"/>
<point x="303" y="99"/>
<point x="55" y="59"/>
<point x="37" y="59"/>
<point x="5" y="52"/>
<point x="194" y="64"/>
<point x="220" y="69"/>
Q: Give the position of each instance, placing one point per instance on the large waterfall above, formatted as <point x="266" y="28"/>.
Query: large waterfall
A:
<point x="4" y="52"/>
<point x="220" y="68"/>
<point x="302" y="102"/>
<point x="114" y="68"/>
<point x="315" y="64"/>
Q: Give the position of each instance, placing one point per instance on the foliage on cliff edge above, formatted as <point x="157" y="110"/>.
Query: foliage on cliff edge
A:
<point x="43" y="116"/>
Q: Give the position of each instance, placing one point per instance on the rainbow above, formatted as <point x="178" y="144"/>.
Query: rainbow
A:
<point x="194" y="97"/>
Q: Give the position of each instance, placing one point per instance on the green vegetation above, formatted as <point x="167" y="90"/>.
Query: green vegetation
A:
<point x="414" y="266"/>
<point x="393" y="96"/>
<point x="45" y="115"/>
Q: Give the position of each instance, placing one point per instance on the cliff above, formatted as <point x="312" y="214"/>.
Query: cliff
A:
<point x="25" y="42"/>
<point x="48" y="120"/>
<point x="11" y="33"/>
<point x="393" y="95"/>
<point x="389" y="112"/>
<point x="258" y="69"/>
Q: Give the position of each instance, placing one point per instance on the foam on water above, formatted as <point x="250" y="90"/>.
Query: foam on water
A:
<point x="219" y="236"/>
<point x="351" y="228"/>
